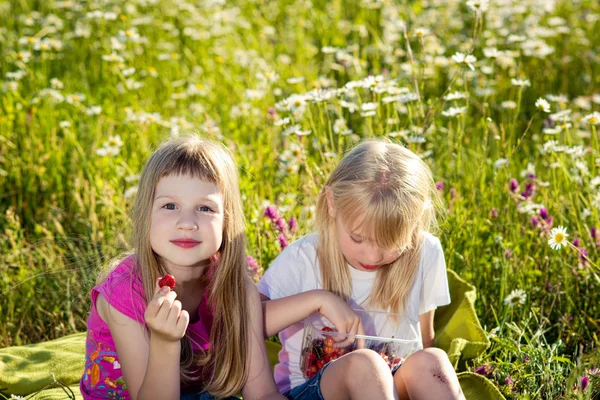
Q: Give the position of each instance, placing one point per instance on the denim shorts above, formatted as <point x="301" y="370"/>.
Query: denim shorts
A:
<point x="309" y="390"/>
<point x="203" y="396"/>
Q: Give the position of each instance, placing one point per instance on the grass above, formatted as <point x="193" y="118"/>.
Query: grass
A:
<point x="68" y="169"/>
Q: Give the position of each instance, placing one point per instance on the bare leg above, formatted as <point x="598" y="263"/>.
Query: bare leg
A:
<point x="428" y="374"/>
<point x="361" y="374"/>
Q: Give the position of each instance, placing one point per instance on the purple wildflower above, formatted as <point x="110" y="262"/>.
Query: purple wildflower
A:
<point x="439" y="186"/>
<point x="283" y="243"/>
<point x="494" y="213"/>
<point x="253" y="266"/>
<point x="544" y="213"/>
<point x="484" y="370"/>
<point x="529" y="186"/>
<point x="549" y="221"/>
<point x="535" y="221"/>
<point x="585" y="381"/>
<point x="280" y="224"/>
<point x="271" y="213"/>
<point x="576" y="242"/>
<point x="293" y="225"/>
<point x="548" y="123"/>
<point x="513" y="185"/>
<point x="509" y="381"/>
<point x="583" y="256"/>
<point x="507" y="253"/>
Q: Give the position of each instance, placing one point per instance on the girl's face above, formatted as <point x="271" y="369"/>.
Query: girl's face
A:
<point x="187" y="221"/>
<point x="360" y="251"/>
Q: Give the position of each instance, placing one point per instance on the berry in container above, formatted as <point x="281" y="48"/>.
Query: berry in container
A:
<point x="392" y="337"/>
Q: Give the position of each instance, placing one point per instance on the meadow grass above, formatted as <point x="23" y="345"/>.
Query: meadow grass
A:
<point x="88" y="90"/>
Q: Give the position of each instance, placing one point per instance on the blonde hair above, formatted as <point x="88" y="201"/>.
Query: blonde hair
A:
<point x="390" y="192"/>
<point x="226" y="360"/>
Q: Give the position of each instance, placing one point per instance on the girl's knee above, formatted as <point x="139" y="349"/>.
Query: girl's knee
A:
<point x="365" y="361"/>
<point x="428" y="358"/>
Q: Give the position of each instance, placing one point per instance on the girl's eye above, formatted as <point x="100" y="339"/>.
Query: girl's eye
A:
<point x="204" y="208"/>
<point x="356" y="240"/>
<point x="169" y="206"/>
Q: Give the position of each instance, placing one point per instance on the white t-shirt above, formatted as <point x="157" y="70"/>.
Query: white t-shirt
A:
<point x="297" y="270"/>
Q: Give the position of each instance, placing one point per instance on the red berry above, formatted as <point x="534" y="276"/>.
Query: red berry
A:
<point x="397" y="360"/>
<point x="329" y="341"/>
<point x="320" y="364"/>
<point x="327" y="329"/>
<point x="167" y="280"/>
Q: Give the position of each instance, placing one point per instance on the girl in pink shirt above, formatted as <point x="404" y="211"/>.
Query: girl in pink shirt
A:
<point x="202" y="339"/>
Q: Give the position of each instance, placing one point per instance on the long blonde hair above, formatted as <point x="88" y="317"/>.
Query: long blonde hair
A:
<point x="391" y="190"/>
<point x="226" y="360"/>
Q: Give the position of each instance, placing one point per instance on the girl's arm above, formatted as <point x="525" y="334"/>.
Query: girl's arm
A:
<point x="427" y="331"/>
<point x="282" y="313"/>
<point x="150" y="366"/>
<point x="260" y="384"/>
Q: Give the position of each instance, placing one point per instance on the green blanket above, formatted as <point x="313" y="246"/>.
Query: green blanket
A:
<point x="51" y="370"/>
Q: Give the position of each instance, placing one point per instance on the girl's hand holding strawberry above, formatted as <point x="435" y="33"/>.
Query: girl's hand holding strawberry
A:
<point x="164" y="315"/>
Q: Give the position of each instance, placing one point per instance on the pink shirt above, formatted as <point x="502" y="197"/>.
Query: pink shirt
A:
<point x="123" y="289"/>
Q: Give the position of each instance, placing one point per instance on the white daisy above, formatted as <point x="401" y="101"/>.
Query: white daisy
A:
<point x="478" y="5"/>
<point x="592" y="119"/>
<point x="558" y="237"/>
<point x="515" y="297"/>
<point x="543" y="105"/>
<point x="520" y="82"/>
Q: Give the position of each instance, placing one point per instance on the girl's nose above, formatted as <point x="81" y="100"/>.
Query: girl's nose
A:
<point x="187" y="222"/>
<point x="375" y="255"/>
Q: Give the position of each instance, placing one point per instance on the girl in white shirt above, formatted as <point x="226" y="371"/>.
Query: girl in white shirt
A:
<point x="372" y="251"/>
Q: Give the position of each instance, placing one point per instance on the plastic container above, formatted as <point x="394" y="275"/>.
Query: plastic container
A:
<point x="394" y="341"/>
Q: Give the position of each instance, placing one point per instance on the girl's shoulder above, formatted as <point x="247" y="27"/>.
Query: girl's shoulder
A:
<point x="430" y="242"/>
<point x="124" y="269"/>
<point x="123" y="288"/>
<point x="302" y="249"/>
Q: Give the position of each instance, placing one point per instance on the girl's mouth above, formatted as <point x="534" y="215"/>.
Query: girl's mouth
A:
<point x="185" y="243"/>
<point x="369" y="267"/>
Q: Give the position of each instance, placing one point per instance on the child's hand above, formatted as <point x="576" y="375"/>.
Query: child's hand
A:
<point x="343" y="317"/>
<point x="164" y="315"/>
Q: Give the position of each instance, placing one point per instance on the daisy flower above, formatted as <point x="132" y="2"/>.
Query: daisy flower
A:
<point x="543" y="105"/>
<point x="478" y="5"/>
<point x="593" y="118"/>
<point x="520" y="82"/>
<point x="515" y="297"/>
<point x="468" y="59"/>
<point x="558" y="237"/>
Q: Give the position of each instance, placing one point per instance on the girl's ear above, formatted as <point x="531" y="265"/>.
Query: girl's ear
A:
<point x="330" y="206"/>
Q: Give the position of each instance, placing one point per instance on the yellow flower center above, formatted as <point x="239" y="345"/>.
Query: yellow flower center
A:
<point x="559" y="237"/>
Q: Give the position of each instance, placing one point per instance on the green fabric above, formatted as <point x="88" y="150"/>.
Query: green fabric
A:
<point x="33" y="368"/>
<point x="28" y="369"/>
<point x="457" y="328"/>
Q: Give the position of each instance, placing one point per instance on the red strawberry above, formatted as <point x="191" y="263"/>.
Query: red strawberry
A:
<point x="167" y="280"/>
